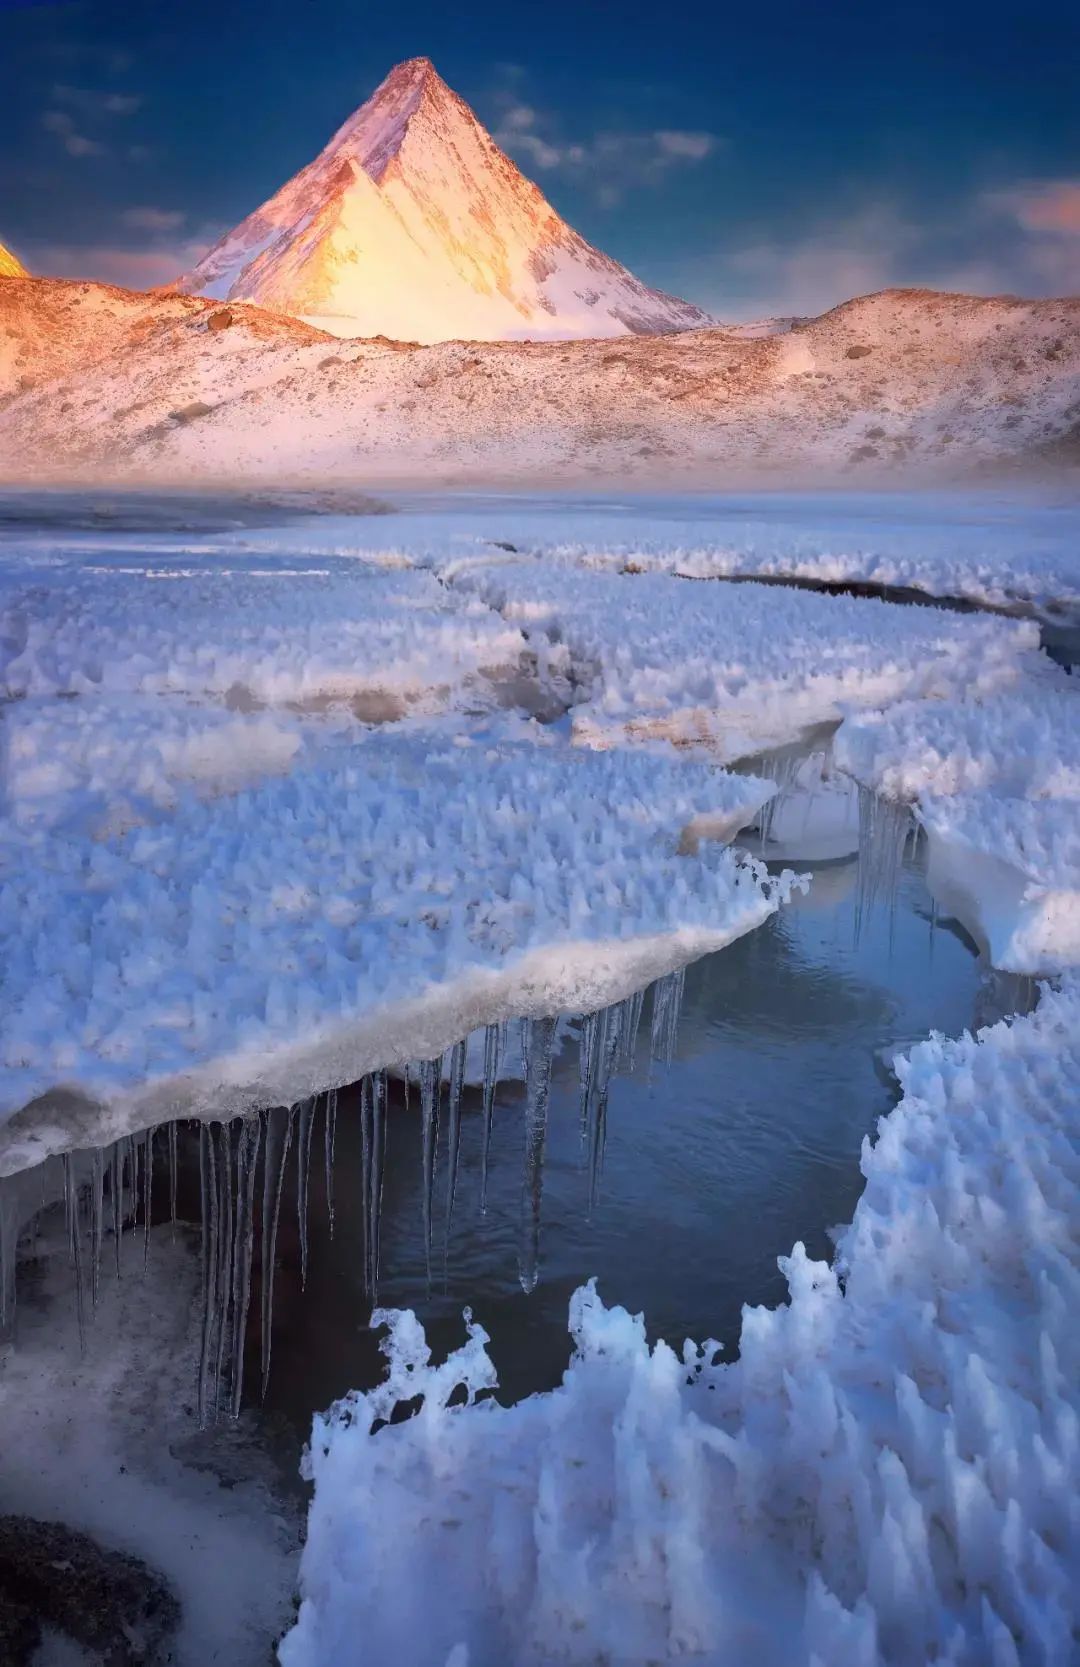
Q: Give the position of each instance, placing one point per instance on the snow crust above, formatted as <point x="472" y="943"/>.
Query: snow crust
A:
<point x="885" y="1475"/>
<point x="999" y="549"/>
<point x="1018" y="550"/>
<point x="996" y="785"/>
<point x="1024" y="743"/>
<point x="742" y="667"/>
<point x="276" y="636"/>
<point x="371" y="907"/>
<point x="117" y="761"/>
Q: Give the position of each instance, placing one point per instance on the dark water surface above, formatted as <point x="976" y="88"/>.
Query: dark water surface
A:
<point x="713" y="1165"/>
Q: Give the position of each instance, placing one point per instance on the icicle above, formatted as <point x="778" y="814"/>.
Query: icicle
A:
<point x="225" y="1248"/>
<point x="135" y="1183"/>
<point x="366" y="1143"/>
<point x="590" y="1031"/>
<point x="372" y="1146"/>
<point x="633" y="1025"/>
<point x="331" y="1137"/>
<point x="97" y="1189"/>
<point x="526" y="1037"/>
<point x="247" y="1157"/>
<point x="208" y="1202"/>
<point x="783" y="770"/>
<point x="429" y="1134"/>
<point x="127" y="1162"/>
<point x="662" y="996"/>
<point x="279" y="1123"/>
<point x="884" y="829"/>
<point x="377" y="1170"/>
<point x="71" y="1208"/>
<point x="172" y="1175"/>
<point x="537" y="1090"/>
<point x="492" y="1051"/>
<point x="148" y="1185"/>
<point x="455" y="1070"/>
<point x="667" y="1003"/>
<point x="303" y="1171"/>
<point x="116" y="1189"/>
<point x="606" y="1052"/>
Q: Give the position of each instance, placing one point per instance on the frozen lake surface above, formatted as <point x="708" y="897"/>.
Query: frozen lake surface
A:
<point x="293" y="803"/>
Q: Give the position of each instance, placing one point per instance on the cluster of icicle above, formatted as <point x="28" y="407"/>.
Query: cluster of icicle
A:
<point x="243" y="1166"/>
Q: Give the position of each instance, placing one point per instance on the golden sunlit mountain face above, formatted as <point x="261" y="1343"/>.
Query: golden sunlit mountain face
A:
<point x="412" y="223"/>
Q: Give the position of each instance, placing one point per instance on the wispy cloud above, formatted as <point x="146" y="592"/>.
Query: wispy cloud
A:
<point x="153" y="219"/>
<point x="93" y="102"/>
<point x="60" y="123"/>
<point x="610" y="162"/>
<point x="685" y="146"/>
<point x="79" y="116"/>
<point x="850" y="255"/>
<point x="1040" y="205"/>
<point x="1019" y="238"/>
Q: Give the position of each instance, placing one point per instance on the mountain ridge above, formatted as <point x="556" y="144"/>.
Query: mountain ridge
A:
<point x="103" y="383"/>
<point x="411" y="222"/>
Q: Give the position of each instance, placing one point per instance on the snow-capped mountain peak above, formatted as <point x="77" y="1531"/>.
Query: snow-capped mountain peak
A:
<point x="413" y="223"/>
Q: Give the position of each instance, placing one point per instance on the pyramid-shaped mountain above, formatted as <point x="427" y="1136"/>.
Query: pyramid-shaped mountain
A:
<point x="413" y="224"/>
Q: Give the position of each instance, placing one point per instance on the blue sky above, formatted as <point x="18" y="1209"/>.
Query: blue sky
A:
<point x="772" y="158"/>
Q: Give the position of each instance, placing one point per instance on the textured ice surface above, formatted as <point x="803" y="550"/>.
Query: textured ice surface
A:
<point x="886" y="1474"/>
<point x="1002" y="549"/>
<point x="996" y="782"/>
<point x="115" y="761"/>
<point x="741" y="667"/>
<point x="371" y="907"/>
<point x="1024" y="743"/>
<point x="346" y="631"/>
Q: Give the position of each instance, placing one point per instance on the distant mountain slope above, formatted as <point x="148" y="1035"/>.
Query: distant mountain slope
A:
<point x="412" y="223"/>
<point x="9" y="266"/>
<point x="105" y="382"/>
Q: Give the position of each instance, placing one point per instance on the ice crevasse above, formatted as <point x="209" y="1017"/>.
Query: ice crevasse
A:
<point x="885" y="1475"/>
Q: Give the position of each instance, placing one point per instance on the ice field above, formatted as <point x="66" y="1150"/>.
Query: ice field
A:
<point x="299" y="802"/>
